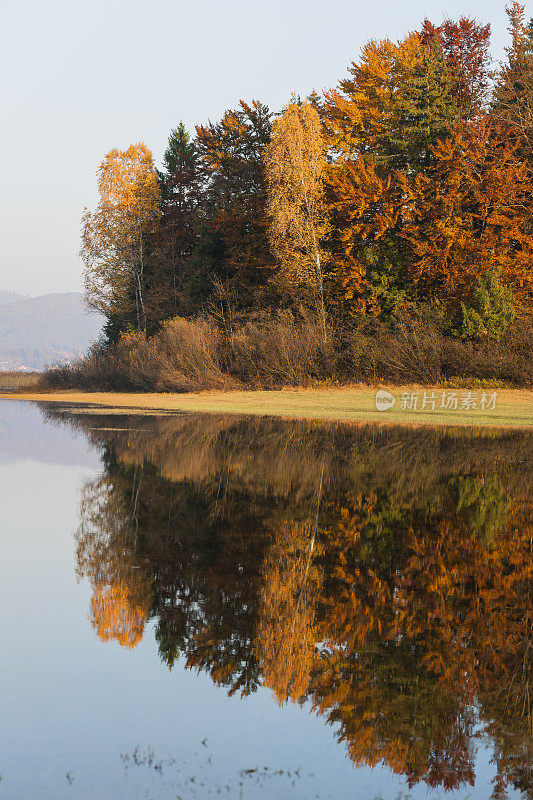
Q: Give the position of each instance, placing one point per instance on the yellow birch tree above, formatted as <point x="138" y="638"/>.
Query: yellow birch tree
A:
<point x="105" y="554"/>
<point x="295" y="165"/>
<point x="286" y="632"/>
<point x="114" y="236"/>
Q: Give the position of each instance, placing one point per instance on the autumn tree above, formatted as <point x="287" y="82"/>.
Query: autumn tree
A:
<point x="381" y="123"/>
<point x="396" y="102"/>
<point x="465" y="45"/>
<point x="121" y="594"/>
<point x="233" y="236"/>
<point x="115" y="237"/>
<point x="295" y="165"/>
<point x="513" y="93"/>
<point x="420" y="201"/>
<point x="286" y="633"/>
<point x="470" y="212"/>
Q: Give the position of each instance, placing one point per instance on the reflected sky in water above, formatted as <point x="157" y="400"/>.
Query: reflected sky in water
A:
<point x="204" y="606"/>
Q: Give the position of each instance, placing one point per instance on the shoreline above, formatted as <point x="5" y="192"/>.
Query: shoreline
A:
<point x="513" y="407"/>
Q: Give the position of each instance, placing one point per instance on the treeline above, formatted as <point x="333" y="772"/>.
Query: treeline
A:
<point x="395" y="208"/>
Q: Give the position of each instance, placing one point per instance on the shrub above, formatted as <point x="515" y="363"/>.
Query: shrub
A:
<point x="406" y="352"/>
<point x="490" y="311"/>
<point x="275" y="350"/>
<point x="181" y="357"/>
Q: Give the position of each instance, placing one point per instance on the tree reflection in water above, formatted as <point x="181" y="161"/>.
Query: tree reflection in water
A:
<point x="382" y="575"/>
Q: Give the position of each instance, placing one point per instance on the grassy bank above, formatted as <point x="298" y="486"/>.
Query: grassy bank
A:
<point x="513" y="407"/>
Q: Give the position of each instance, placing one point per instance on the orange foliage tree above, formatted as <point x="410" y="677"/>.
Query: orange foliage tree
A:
<point x="381" y="124"/>
<point x="470" y="213"/>
<point x="426" y="612"/>
<point x="425" y="192"/>
<point x="465" y="45"/>
<point x="121" y="599"/>
<point x="115" y="236"/>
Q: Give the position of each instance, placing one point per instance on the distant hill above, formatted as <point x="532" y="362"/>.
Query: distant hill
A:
<point x="38" y="331"/>
<point x="11" y="297"/>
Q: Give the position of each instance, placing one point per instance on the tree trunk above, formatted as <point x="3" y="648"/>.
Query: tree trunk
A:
<point x="140" y="273"/>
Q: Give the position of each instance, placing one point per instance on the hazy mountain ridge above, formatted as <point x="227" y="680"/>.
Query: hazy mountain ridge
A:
<point x="38" y="331"/>
<point x="6" y="298"/>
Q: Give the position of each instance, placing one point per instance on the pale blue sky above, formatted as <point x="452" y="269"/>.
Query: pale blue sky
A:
<point x="78" y="78"/>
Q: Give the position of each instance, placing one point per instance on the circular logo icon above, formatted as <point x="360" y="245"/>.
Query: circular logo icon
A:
<point x="384" y="400"/>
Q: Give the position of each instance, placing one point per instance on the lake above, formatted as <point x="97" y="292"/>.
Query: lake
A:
<point x="212" y="606"/>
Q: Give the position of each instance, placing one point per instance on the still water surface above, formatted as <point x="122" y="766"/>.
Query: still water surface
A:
<point x="203" y="607"/>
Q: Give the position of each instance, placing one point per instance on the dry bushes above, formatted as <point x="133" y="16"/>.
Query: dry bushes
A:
<point x="181" y="357"/>
<point x="274" y="351"/>
<point x="417" y="351"/>
<point x="271" y="351"/>
<point x="407" y="353"/>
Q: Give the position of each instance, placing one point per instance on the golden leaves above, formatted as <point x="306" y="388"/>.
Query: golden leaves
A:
<point x="295" y="167"/>
<point x="472" y="208"/>
<point x="286" y="633"/>
<point x="114" y="236"/>
<point x="117" y="614"/>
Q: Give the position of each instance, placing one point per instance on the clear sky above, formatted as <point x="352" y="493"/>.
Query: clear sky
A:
<point x="78" y="78"/>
